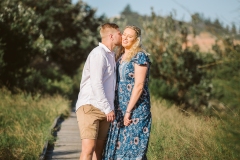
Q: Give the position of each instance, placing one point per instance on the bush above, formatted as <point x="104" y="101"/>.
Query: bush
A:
<point x="175" y="71"/>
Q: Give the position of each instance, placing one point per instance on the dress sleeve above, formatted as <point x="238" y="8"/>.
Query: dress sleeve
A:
<point x="141" y="59"/>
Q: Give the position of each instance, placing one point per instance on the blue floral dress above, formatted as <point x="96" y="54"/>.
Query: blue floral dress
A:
<point x="129" y="142"/>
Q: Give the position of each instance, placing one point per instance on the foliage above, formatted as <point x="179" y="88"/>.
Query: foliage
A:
<point x="44" y="42"/>
<point x="226" y="81"/>
<point x="48" y="81"/>
<point x="19" y="32"/>
<point x="175" y="71"/>
<point x="201" y="23"/>
<point x="200" y="81"/>
<point x="179" y="73"/>
<point x="224" y="68"/>
<point x="72" y="30"/>
<point x="25" y="122"/>
<point x="130" y="17"/>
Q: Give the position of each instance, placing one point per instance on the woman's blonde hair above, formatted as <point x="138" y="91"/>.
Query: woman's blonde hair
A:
<point x="136" y="47"/>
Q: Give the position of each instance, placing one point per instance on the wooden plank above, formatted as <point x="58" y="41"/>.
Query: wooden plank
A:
<point x="68" y="143"/>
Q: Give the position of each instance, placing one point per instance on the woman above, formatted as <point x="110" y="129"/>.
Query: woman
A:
<point x="129" y="134"/>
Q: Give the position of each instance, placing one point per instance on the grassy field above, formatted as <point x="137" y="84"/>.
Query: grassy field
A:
<point x="25" y="123"/>
<point x="175" y="136"/>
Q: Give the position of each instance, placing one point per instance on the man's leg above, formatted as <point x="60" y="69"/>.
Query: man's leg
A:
<point x="88" y="124"/>
<point x="100" y="144"/>
<point x="88" y="147"/>
<point x="93" y="125"/>
<point x="102" y="136"/>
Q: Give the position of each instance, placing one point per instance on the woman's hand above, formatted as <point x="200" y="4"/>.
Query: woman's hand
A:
<point x="127" y="120"/>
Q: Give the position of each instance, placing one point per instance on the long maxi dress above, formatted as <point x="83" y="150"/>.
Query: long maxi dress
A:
<point x="129" y="142"/>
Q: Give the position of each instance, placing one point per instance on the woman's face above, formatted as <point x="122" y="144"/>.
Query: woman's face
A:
<point x="128" y="38"/>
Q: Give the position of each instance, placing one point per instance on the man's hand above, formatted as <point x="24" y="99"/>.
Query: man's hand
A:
<point x="110" y="116"/>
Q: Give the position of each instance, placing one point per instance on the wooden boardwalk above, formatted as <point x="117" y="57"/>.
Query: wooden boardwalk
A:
<point x="68" y="143"/>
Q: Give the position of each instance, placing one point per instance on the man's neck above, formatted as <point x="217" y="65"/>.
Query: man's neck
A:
<point x="108" y="45"/>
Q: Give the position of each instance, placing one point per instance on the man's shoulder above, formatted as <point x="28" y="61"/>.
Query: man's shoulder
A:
<point x="98" y="48"/>
<point x="98" y="51"/>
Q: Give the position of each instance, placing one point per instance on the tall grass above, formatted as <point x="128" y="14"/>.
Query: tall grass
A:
<point x="25" y="121"/>
<point x="177" y="136"/>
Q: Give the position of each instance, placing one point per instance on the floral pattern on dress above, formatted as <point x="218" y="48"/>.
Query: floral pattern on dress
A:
<point x="129" y="142"/>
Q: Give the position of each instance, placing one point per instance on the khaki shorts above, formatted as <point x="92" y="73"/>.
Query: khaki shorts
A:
<point x="92" y="123"/>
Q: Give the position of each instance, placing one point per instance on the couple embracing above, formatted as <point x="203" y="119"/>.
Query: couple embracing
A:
<point x="113" y="107"/>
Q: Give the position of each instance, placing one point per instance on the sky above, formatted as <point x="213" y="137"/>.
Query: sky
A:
<point x="227" y="11"/>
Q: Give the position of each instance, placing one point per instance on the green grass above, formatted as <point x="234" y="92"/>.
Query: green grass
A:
<point x="175" y="136"/>
<point x="25" y="123"/>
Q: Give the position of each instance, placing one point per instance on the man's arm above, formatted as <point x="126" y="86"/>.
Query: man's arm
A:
<point x="98" y="66"/>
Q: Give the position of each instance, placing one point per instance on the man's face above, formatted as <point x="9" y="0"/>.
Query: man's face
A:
<point x="117" y="37"/>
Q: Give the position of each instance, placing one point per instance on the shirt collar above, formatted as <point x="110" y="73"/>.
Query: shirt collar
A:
<point x="104" y="47"/>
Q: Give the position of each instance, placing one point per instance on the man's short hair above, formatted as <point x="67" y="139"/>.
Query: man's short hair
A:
<point x="106" y="26"/>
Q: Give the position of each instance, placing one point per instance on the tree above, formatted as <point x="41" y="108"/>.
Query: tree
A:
<point x="234" y="29"/>
<point x="127" y="10"/>
<point x="129" y="17"/>
<point x="19" y="33"/>
<point x="44" y="41"/>
<point x="217" y="24"/>
<point x="175" y="72"/>
<point x="72" y="30"/>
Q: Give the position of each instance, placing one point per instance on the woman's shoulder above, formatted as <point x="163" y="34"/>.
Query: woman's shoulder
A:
<point x="142" y="53"/>
<point x="141" y="58"/>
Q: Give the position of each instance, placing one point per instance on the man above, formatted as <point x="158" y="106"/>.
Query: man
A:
<point x="95" y="104"/>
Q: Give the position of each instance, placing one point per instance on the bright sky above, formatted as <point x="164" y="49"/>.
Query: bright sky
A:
<point x="227" y="11"/>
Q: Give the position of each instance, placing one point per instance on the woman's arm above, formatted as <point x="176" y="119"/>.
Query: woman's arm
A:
<point x="140" y="76"/>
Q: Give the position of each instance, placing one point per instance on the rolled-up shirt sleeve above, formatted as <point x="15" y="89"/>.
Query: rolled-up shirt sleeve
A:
<point x="98" y="66"/>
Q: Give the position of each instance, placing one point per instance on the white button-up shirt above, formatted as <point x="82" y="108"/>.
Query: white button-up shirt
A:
<point x="98" y="82"/>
